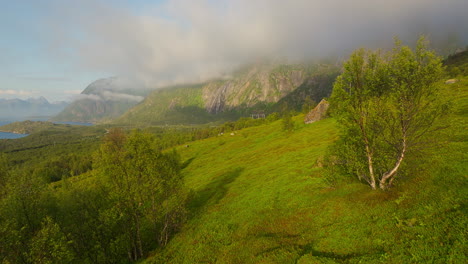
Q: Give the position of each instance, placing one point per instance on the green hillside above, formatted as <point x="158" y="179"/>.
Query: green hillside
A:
<point x="255" y="195"/>
<point x="261" y="197"/>
<point x="174" y="105"/>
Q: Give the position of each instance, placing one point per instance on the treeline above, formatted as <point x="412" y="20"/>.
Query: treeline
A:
<point x="132" y="201"/>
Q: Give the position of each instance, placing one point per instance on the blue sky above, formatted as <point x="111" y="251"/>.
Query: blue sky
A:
<point x="55" y="48"/>
<point x="28" y="67"/>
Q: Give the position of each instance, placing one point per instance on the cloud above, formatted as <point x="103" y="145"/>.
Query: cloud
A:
<point x="16" y="92"/>
<point x="194" y="40"/>
<point x="112" y="96"/>
<point x="93" y="97"/>
<point x="72" y="92"/>
<point x="45" y="78"/>
<point x="109" y="96"/>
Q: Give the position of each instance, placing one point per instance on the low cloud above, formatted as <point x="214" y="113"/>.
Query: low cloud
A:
<point x="93" y="97"/>
<point x="44" y="78"/>
<point x="72" y="92"/>
<point x="109" y="96"/>
<point x="16" y="92"/>
<point x="194" y="40"/>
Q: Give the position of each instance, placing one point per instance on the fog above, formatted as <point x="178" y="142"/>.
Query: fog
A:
<point x="109" y="96"/>
<point x="194" y="40"/>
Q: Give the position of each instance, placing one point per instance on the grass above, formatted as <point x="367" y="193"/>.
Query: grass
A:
<point x="259" y="197"/>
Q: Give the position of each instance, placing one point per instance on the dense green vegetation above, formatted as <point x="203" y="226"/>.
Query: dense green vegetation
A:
<point x="251" y="191"/>
<point x="28" y="127"/>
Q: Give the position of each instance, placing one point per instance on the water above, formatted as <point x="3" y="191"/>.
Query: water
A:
<point x="7" y="135"/>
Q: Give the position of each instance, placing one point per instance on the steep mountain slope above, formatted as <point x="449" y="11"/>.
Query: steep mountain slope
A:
<point x="102" y="99"/>
<point x="257" y="88"/>
<point x="17" y="108"/>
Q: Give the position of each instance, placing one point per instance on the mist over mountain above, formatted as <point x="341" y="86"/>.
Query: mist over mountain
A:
<point x="33" y="107"/>
<point x="103" y="98"/>
<point x="185" y="41"/>
<point x="262" y="87"/>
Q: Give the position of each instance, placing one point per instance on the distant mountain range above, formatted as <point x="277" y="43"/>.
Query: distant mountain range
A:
<point x="32" y="107"/>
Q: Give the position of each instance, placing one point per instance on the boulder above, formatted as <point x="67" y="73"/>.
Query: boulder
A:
<point x="318" y="113"/>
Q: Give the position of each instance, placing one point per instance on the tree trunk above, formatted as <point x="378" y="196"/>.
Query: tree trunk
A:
<point x="371" y="167"/>
<point x="391" y="174"/>
<point x="370" y="162"/>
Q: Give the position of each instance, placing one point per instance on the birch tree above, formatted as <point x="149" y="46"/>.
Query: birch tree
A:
<point x="386" y="104"/>
<point x="145" y="187"/>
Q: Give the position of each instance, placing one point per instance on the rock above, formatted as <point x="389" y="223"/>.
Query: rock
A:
<point x="318" y="113"/>
<point x="450" y="81"/>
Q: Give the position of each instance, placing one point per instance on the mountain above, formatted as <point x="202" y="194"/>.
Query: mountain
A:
<point x="103" y="99"/>
<point x="17" y="108"/>
<point x="261" y="87"/>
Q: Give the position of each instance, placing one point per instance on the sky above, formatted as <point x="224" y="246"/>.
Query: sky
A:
<point x="55" y="48"/>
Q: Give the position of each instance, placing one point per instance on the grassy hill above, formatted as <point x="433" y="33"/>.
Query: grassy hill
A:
<point x="260" y="196"/>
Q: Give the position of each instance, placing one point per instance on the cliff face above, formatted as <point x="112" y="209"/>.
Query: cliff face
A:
<point x="259" y="85"/>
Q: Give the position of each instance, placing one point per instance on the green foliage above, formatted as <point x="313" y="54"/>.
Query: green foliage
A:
<point x="308" y="105"/>
<point x="258" y="196"/>
<point x="145" y="188"/>
<point x="287" y="122"/>
<point x="50" y="245"/>
<point x="4" y="173"/>
<point x="387" y="106"/>
<point x="457" y="64"/>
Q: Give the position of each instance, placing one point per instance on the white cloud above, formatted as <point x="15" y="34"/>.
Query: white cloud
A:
<point x="72" y="92"/>
<point x="196" y="40"/>
<point x="111" y="96"/>
<point x="87" y="96"/>
<point x="16" y="92"/>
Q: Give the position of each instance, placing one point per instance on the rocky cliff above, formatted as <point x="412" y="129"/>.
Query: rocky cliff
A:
<point x="261" y="84"/>
<point x="260" y="87"/>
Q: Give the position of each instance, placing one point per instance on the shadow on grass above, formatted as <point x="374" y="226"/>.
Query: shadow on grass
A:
<point x="213" y="192"/>
<point x="309" y="249"/>
<point x="283" y="241"/>
<point x="187" y="162"/>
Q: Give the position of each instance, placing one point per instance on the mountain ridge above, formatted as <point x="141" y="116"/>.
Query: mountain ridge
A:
<point x="259" y="88"/>
<point x="19" y="108"/>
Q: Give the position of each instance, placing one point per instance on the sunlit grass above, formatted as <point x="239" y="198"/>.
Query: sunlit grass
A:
<point x="259" y="197"/>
